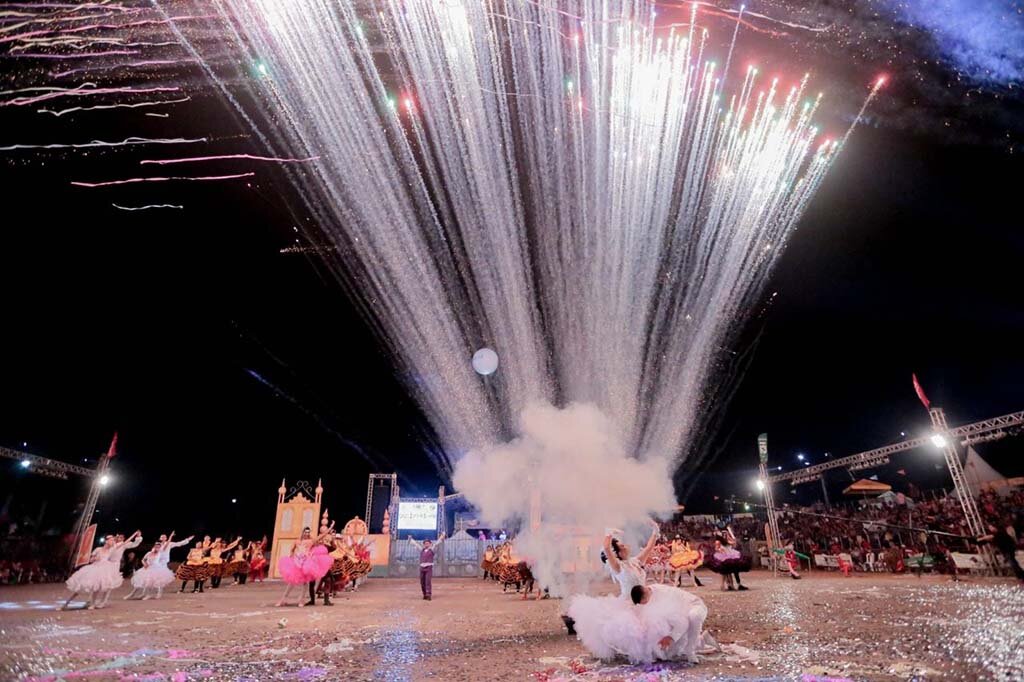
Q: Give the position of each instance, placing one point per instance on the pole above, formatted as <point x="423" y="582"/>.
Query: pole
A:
<point x="85" y="520"/>
<point x="971" y="514"/>
<point x="772" y="536"/>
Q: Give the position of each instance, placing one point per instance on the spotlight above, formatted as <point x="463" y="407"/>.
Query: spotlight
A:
<point x="234" y="500"/>
<point x="25" y="464"/>
<point x="800" y="457"/>
<point x="938" y="440"/>
<point x="104" y="479"/>
<point x="760" y="484"/>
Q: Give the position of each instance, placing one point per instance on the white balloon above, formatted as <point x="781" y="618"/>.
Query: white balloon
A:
<point x="485" y="361"/>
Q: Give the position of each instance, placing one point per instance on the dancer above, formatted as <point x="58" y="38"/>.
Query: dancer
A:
<point x="684" y="559"/>
<point x="238" y="566"/>
<point x="657" y="562"/>
<point x="489" y="562"/>
<point x="194" y="568"/>
<point x="307" y="562"/>
<point x="606" y="625"/>
<point x="114" y="579"/>
<point x="792" y="562"/>
<point x="330" y="543"/>
<point x="727" y="561"/>
<point x="671" y="622"/>
<point x="91" y="578"/>
<point x="215" y="560"/>
<point x="154" y="573"/>
<point x="258" y="564"/>
<point x="426" y="563"/>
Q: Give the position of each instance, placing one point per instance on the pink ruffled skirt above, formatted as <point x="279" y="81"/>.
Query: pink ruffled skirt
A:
<point x="301" y="569"/>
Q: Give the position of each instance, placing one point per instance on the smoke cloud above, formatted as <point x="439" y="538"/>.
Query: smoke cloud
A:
<point x="568" y="469"/>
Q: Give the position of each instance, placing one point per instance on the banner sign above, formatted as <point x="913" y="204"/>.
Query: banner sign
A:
<point x="85" y="548"/>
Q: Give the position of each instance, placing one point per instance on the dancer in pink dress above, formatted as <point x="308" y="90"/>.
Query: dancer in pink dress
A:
<point x="306" y="564"/>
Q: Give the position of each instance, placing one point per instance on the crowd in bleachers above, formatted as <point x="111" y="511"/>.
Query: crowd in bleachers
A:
<point x="876" y="534"/>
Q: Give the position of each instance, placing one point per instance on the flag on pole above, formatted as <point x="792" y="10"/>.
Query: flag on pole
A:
<point x="113" y="447"/>
<point x="920" y="393"/>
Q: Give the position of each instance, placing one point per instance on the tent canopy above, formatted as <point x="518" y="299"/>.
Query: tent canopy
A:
<point x="867" y="487"/>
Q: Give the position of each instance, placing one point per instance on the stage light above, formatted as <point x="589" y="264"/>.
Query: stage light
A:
<point x="25" y="464"/>
<point x="104" y="480"/>
<point x="746" y="507"/>
<point x="938" y="440"/>
<point x="234" y="500"/>
<point x="760" y="484"/>
<point x="800" y="457"/>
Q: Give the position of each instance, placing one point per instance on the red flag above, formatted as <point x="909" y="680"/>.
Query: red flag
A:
<point x="113" y="447"/>
<point x="920" y="393"/>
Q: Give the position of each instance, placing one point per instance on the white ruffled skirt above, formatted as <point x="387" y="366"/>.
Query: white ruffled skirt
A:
<point x="92" y="577"/>
<point x="614" y="626"/>
<point x="609" y="627"/>
<point x="153" y="576"/>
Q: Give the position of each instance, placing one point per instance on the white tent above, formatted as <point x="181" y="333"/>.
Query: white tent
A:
<point x="980" y="474"/>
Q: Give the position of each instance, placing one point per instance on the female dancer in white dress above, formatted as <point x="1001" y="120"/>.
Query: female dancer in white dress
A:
<point x="610" y="626"/>
<point x="92" y="577"/>
<point x="154" y="574"/>
<point x="114" y="579"/>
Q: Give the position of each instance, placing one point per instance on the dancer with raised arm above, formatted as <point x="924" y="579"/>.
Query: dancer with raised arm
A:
<point x="91" y="578"/>
<point x="727" y="561"/>
<point x="215" y="560"/>
<point x="258" y="563"/>
<point x="194" y="568"/>
<point x="684" y="559"/>
<point x="307" y="562"/>
<point x="154" y="574"/>
<point x="427" y="550"/>
<point x="114" y="579"/>
<point x="607" y="625"/>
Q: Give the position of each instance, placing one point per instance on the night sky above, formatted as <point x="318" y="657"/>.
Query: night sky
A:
<point x="226" y="365"/>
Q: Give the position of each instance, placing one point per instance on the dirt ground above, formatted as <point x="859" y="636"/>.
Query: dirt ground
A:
<point x="822" y="627"/>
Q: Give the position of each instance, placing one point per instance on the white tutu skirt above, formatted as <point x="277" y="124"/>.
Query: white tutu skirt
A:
<point x="674" y="613"/>
<point x="154" y="576"/>
<point x="112" y="576"/>
<point x="92" y="577"/>
<point x="609" y="627"/>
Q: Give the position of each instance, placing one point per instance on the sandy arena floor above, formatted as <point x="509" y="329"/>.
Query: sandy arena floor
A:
<point x="827" y="627"/>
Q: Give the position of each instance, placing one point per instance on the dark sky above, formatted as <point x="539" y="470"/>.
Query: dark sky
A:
<point x="225" y="365"/>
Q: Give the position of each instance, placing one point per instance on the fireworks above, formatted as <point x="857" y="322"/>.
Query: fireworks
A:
<point x="562" y="182"/>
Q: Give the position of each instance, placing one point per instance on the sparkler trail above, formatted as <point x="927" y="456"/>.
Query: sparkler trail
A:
<point x="136" y="105"/>
<point x="558" y="181"/>
<point x="146" y="207"/>
<point x="225" y="157"/>
<point x="83" y="91"/>
<point x="128" y="142"/>
<point x="131" y="181"/>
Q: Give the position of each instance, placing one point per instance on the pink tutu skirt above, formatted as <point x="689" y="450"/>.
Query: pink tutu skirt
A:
<point x="298" y="570"/>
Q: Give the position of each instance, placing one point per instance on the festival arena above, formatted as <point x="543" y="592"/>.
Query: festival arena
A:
<point x="866" y="627"/>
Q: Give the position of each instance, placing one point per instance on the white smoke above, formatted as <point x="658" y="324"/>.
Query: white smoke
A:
<point x="571" y="467"/>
